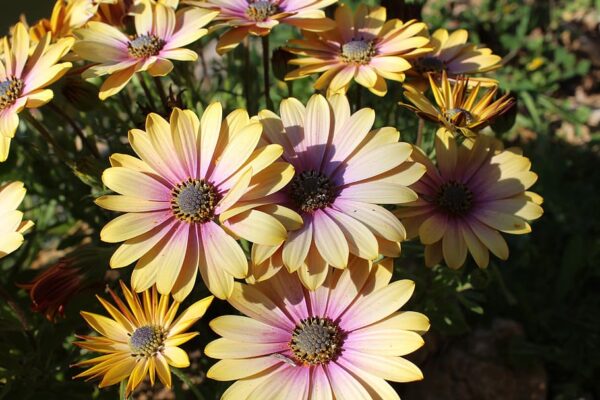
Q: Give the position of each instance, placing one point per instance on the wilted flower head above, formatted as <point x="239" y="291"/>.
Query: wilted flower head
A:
<point x="476" y="190"/>
<point x="452" y="54"/>
<point x="342" y="341"/>
<point x="258" y="17"/>
<point x="140" y="338"/>
<point x="363" y="47"/>
<point x="160" y="36"/>
<point x="13" y="227"/>
<point x="53" y="288"/>
<point x="458" y="108"/>
<point x="25" y="72"/>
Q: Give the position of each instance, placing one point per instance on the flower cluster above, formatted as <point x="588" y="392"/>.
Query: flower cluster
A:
<point x="309" y="204"/>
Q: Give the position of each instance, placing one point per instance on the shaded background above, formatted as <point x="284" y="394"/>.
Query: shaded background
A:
<point x="526" y="328"/>
<point x="12" y="9"/>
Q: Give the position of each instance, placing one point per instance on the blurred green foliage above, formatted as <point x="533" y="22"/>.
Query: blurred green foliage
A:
<point x="549" y="284"/>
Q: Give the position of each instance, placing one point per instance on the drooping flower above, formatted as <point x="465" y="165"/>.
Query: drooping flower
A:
<point x="258" y="17"/>
<point x="52" y="289"/>
<point x="13" y="227"/>
<point x="458" y="108"/>
<point x="160" y="36"/>
<point x="342" y="341"/>
<point x="452" y="54"/>
<point x="25" y="73"/>
<point x="198" y="186"/>
<point x="364" y="47"/>
<point x="55" y="287"/>
<point x="140" y="338"/>
<point x="343" y="172"/>
<point x="477" y="190"/>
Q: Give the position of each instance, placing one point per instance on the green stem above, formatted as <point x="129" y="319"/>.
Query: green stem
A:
<point x="266" y="71"/>
<point x="358" y="97"/>
<point x="122" y="388"/>
<point x="510" y="298"/>
<point x="420" y="128"/>
<point x="78" y="131"/>
<point x="186" y="379"/>
<point x="60" y="152"/>
<point x="162" y="94"/>
<point x="20" y="314"/>
<point x="126" y="105"/>
<point x="147" y="91"/>
<point x="247" y="82"/>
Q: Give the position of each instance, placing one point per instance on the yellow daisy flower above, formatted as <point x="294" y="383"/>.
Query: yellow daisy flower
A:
<point x="476" y="190"/>
<point x="13" y="227"/>
<point x="457" y="107"/>
<point x="364" y="47"/>
<point x="25" y="72"/>
<point x="199" y="186"/>
<point x="140" y="339"/>
<point x="452" y="53"/>
<point x="258" y="17"/>
<point x="161" y="35"/>
<point x="342" y="341"/>
<point x="344" y="172"/>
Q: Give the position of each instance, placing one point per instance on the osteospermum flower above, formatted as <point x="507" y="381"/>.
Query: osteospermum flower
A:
<point x="451" y="53"/>
<point x="342" y="341"/>
<point x="258" y="17"/>
<point x="457" y="108"/>
<point x="139" y="339"/>
<point x="364" y="47"/>
<point x="476" y="191"/>
<point x="24" y="74"/>
<point x="198" y="186"/>
<point x="67" y="15"/>
<point x="343" y="171"/>
<point x="13" y="227"/>
<point x="160" y="36"/>
<point x="114" y="13"/>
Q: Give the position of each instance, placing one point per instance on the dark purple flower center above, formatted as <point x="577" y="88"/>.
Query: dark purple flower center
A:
<point x="311" y="191"/>
<point x="316" y="340"/>
<point x="143" y="46"/>
<point x="455" y="198"/>
<point x="194" y="200"/>
<point x="10" y="90"/>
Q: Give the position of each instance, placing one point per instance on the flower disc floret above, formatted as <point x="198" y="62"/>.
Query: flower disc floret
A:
<point x="358" y="51"/>
<point x="312" y="190"/>
<point x="147" y="340"/>
<point x="455" y="198"/>
<point x="143" y="46"/>
<point x="316" y="340"/>
<point x="261" y="10"/>
<point x="194" y="200"/>
<point x="10" y="91"/>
